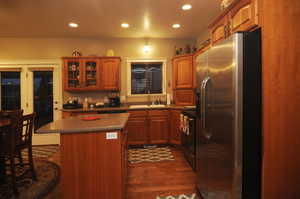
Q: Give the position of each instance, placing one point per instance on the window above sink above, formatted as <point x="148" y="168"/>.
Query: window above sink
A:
<point x="146" y="77"/>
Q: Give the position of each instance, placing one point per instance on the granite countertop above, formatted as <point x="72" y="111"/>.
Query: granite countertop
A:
<point x="107" y="122"/>
<point x="125" y="108"/>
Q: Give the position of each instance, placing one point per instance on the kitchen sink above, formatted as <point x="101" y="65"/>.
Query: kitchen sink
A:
<point x="147" y="106"/>
<point x="156" y="105"/>
<point x="138" y="106"/>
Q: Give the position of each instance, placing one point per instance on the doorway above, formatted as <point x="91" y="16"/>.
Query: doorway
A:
<point x="33" y="87"/>
<point x="43" y="97"/>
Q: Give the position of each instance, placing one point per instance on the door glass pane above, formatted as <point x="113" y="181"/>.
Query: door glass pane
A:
<point x="43" y="97"/>
<point x="10" y="90"/>
<point x="91" y="79"/>
<point x="73" y="74"/>
<point x="138" y="79"/>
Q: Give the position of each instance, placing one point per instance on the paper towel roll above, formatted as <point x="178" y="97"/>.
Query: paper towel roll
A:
<point x="168" y="99"/>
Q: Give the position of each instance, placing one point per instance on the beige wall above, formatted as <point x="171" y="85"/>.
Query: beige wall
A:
<point x="203" y="37"/>
<point x="54" y="48"/>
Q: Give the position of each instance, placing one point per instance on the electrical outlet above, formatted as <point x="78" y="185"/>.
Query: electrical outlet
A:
<point x="112" y="135"/>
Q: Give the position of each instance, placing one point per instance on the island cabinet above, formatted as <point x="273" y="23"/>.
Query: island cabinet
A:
<point x="148" y="127"/>
<point x="93" y="166"/>
<point x="93" y="156"/>
<point x="175" y="133"/>
<point x="91" y="73"/>
<point x="183" y="80"/>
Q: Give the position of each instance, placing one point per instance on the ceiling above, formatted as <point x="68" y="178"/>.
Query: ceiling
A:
<point x="102" y="18"/>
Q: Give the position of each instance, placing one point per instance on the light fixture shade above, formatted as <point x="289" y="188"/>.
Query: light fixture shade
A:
<point x="73" y="25"/>
<point x="186" y="7"/>
<point x="146" y="49"/>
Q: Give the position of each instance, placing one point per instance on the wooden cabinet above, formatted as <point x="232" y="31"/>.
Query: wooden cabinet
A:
<point x="241" y="15"/>
<point x="183" y="72"/>
<point x="220" y="30"/>
<point x="137" y="128"/>
<point x="91" y="73"/>
<point x="110" y="74"/>
<point x="244" y="15"/>
<point x="158" y="127"/>
<point x="175" y="133"/>
<point x="148" y="127"/>
<point x="184" y="97"/>
<point x="183" y="80"/>
<point x="93" y="166"/>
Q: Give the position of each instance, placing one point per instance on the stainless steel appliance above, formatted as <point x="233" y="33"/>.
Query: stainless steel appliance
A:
<point x="228" y="146"/>
<point x="114" y="101"/>
<point x="188" y="137"/>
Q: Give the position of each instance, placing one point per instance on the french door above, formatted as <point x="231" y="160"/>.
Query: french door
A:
<point x="33" y="88"/>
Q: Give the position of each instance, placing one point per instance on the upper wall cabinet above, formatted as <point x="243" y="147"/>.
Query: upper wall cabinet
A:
<point x="110" y="73"/>
<point x="91" y="73"/>
<point x="241" y="15"/>
<point x="220" y="30"/>
<point x="244" y="16"/>
<point x="183" y="72"/>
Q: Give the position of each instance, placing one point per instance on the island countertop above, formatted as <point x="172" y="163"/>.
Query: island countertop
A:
<point x="107" y="122"/>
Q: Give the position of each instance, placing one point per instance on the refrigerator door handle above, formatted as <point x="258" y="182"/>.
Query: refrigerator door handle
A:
<point x="205" y="81"/>
<point x="201" y="103"/>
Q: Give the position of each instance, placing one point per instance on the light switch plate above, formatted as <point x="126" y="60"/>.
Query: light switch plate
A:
<point x="112" y="135"/>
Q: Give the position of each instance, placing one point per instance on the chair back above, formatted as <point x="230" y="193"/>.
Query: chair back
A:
<point x="26" y="129"/>
<point x="8" y="133"/>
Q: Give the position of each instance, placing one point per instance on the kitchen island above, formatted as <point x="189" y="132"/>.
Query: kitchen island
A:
<point x="93" y="155"/>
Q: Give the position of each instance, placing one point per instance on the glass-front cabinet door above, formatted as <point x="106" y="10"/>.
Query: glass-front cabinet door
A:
<point x="73" y="74"/>
<point x="91" y="76"/>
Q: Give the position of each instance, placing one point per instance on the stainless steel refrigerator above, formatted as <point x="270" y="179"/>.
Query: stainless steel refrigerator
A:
<point x="228" y="106"/>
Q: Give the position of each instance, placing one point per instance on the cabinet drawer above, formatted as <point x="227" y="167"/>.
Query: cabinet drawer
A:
<point x="158" y="113"/>
<point x="184" y="97"/>
<point x="141" y="113"/>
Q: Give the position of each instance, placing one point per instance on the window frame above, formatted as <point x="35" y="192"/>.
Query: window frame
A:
<point x="164" y="75"/>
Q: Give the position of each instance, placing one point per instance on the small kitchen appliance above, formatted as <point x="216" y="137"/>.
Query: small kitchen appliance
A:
<point x="114" y="101"/>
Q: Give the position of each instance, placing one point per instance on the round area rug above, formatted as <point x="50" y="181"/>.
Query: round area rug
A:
<point x="48" y="174"/>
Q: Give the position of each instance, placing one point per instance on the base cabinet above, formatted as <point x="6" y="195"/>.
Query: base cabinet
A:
<point x="137" y="128"/>
<point x="158" y="127"/>
<point x="148" y="127"/>
<point x="93" y="166"/>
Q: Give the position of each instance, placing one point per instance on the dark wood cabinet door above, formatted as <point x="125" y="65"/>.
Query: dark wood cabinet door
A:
<point x="183" y="74"/>
<point x="137" y="131"/>
<point x="158" y="129"/>
<point x="244" y="16"/>
<point x="110" y="77"/>
<point x="175" y="136"/>
<point x="184" y="97"/>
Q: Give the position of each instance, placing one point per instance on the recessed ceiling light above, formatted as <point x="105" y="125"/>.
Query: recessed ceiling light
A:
<point x="176" y="25"/>
<point x="124" y="25"/>
<point x="186" y="7"/>
<point x="73" y="25"/>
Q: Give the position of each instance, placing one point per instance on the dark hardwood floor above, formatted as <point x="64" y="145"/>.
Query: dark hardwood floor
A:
<point x="148" y="180"/>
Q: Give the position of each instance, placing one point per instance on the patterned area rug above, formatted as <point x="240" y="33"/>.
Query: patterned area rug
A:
<point x="41" y="152"/>
<point x="150" y="155"/>
<point x="48" y="174"/>
<point x="182" y="196"/>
